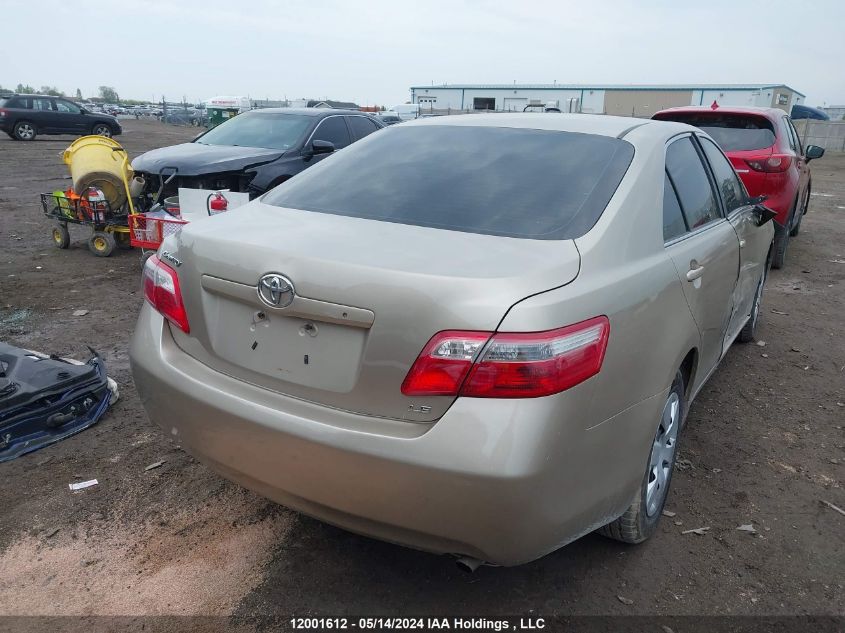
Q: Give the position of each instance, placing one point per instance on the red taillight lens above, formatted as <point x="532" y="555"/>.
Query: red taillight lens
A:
<point x="161" y="289"/>
<point x="772" y="164"/>
<point x="509" y="365"/>
<point x="2" y="112"/>
<point x="444" y="363"/>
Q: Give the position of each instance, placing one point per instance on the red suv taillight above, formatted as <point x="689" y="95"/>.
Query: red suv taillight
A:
<point x="771" y="164"/>
<point x="161" y="289"/>
<point x="508" y="364"/>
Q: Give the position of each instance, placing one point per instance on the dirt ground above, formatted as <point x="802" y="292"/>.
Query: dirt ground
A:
<point x="764" y="446"/>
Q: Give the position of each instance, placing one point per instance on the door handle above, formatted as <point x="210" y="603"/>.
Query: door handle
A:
<point x="695" y="273"/>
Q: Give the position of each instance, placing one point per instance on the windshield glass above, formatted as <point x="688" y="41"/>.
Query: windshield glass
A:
<point x="733" y="132"/>
<point x="498" y="181"/>
<point x="259" y="129"/>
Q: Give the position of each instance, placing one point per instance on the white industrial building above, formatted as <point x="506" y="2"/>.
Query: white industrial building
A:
<point x="625" y="100"/>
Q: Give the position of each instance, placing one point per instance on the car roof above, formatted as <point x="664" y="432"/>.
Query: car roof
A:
<point x="769" y="113"/>
<point x="309" y="111"/>
<point x="599" y="124"/>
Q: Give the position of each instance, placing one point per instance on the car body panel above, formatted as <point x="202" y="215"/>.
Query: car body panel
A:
<point x="374" y="272"/>
<point x="504" y="481"/>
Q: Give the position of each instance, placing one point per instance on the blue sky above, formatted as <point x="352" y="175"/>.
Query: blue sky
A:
<point x="372" y="51"/>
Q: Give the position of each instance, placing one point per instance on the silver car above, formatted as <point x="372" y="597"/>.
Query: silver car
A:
<point x="474" y="335"/>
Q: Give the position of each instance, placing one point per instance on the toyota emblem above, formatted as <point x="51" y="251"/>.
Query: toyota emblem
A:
<point x="276" y="290"/>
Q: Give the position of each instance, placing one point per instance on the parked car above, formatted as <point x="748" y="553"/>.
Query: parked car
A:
<point x="808" y="112"/>
<point x="389" y="118"/>
<point x="766" y="152"/>
<point x="254" y="151"/>
<point x="23" y="117"/>
<point x="471" y="335"/>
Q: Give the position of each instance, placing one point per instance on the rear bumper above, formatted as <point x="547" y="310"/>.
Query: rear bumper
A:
<point x="505" y="481"/>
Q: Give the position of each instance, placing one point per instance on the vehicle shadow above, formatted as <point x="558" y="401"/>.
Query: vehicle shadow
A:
<point x="320" y="569"/>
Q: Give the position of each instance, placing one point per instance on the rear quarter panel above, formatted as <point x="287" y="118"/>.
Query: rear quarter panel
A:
<point x="626" y="275"/>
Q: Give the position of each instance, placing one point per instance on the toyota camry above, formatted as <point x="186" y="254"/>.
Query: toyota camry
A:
<point x="472" y="335"/>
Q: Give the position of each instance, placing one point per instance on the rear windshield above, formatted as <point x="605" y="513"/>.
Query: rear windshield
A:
<point x="259" y="129"/>
<point x="733" y="132"/>
<point x="498" y="181"/>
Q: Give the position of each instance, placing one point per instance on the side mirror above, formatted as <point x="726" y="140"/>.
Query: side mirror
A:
<point x="84" y="111"/>
<point x="764" y="214"/>
<point x="813" y="152"/>
<point x="321" y="147"/>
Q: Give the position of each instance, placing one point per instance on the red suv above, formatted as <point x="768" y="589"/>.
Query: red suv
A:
<point x="765" y="150"/>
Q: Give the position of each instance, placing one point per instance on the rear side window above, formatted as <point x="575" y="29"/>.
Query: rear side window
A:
<point x="733" y="193"/>
<point x="673" y="218"/>
<point x="333" y="129"/>
<point x="692" y="183"/>
<point x="733" y="132"/>
<point x="362" y="126"/>
<point x="512" y="182"/>
<point x="42" y="104"/>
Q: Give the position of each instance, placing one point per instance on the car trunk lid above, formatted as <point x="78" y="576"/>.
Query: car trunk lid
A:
<point x="368" y="296"/>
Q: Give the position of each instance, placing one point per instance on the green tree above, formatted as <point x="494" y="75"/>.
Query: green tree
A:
<point x="52" y="91"/>
<point x="25" y="89"/>
<point x="79" y="94"/>
<point x="109" y="94"/>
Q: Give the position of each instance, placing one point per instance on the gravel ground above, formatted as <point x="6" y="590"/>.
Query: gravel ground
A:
<point x="764" y="446"/>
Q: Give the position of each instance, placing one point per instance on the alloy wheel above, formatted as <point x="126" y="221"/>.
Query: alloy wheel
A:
<point x="663" y="454"/>
<point x="25" y="131"/>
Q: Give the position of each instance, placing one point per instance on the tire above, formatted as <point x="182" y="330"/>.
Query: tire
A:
<point x="746" y="334"/>
<point x="101" y="244"/>
<point x="24" y="131"/>
<point x="122" y="240"/>
<point x="779" y="252"/>
<point x="61" y="236"/>
<point x="101" y="129"/>
<point x="797" y="228"/>
<point x="641" y="518"/>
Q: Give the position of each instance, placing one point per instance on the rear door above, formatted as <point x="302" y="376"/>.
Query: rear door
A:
<point x="361" y="126"/>
<point x="753" y="242"/>
<point x="706" y="254"/>
<point x="43" y="114"/>
<point x="802" y="170"/>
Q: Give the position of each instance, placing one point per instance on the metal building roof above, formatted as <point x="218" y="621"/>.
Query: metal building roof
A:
<point x="557" y="86"/>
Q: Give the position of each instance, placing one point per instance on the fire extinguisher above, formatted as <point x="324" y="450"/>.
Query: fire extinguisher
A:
<point x="216" y="203"/>
<point x="99" y="206"/>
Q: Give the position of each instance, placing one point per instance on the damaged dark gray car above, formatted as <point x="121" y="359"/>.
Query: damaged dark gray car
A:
<point x="252" y="152"/>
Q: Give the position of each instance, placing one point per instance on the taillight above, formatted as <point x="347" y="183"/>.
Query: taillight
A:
<point x="2" y="112"/>
<point x="161" y="289"/>
<point x="509" y="364"/>
<point x="771" y="164"/>
<point x="444" y="363"/>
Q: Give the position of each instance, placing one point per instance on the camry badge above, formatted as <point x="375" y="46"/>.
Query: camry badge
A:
<point x="276" y="290"/>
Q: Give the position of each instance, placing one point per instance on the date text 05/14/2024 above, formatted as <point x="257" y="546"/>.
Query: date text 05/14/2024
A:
<point x="417" y="624"/>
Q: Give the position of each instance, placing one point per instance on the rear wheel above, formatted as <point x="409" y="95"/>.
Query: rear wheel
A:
<point x="101" y="243"/>
<point x="746" y="334"/>
<point x="801" y="212"/>
<point x="61" y="236"/>
<point x="122" y="240"/>
<point x="24" y="131"/>
<point x="101" y="129"/>
<point x="780" y="246"/>
<point x="640" y="519"/>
